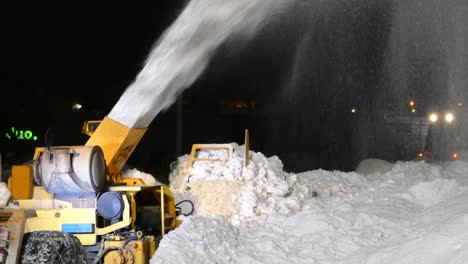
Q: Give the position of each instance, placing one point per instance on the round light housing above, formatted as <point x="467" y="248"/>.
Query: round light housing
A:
<point x="433" y="117"/>
<point x="449" y="117"/>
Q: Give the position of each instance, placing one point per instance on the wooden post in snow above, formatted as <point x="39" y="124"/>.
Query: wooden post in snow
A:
<point x="247" y="148"/>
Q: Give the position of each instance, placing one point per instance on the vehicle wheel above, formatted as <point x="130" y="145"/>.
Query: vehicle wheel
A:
<point x="53" y="247"/>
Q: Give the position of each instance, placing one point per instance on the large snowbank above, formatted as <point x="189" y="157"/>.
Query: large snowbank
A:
<point x="412" y="212"/>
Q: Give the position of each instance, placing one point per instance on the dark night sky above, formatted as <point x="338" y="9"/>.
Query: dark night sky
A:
<point x="305" y="71"/>
<point x="59" y="53"/>
<point x="85" y="52"/>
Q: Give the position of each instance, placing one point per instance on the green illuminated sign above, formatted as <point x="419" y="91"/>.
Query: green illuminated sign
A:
<point x="20" y="134"/>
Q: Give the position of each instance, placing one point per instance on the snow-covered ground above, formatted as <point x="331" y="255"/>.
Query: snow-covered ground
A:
<point x="407" y="212"/>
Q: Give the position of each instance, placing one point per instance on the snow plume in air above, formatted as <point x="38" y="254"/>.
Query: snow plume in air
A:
<point x="183" y="52"/>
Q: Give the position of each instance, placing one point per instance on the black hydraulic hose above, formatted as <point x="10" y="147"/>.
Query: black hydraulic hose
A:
<point x="186" y="201"/>
<point x="129" y="240"/>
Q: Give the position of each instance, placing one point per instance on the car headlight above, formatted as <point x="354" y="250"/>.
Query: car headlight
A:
<point x="449" y="117"/>
<point x="433" y="117"/>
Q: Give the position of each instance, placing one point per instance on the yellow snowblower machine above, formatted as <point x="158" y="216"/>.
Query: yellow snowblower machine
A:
<point x="71" y="204"/>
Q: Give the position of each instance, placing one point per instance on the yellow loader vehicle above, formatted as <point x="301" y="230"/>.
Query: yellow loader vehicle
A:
<point x="70" y="204"/>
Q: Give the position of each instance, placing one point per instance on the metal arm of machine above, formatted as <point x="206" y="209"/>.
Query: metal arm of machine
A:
<point x="116" y="141"/>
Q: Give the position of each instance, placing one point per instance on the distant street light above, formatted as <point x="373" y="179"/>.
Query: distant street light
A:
<point x="353" y="110"/>
<point x="413" y="110"/>
<point x="76" y="107"/>
<point x="412" y="103"/>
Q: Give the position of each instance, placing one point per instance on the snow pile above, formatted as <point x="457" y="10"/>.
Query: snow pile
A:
<point x="4" y="195"/>
<point x="227" y="188"/>
<point x="412" y="212"/>
<point x="430" y="193"/>
<point x="373" y="166"/>
<point x="135" y="173"/>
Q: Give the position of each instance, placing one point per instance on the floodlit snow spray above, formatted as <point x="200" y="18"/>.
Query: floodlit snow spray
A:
<point x="183" y="52"/>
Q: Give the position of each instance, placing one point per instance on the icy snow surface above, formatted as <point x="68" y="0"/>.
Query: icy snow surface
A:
<point x="412" y="212"/>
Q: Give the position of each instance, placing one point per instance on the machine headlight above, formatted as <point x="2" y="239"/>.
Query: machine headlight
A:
<point x="433" y="117"/>
<point x="449" y="117"/>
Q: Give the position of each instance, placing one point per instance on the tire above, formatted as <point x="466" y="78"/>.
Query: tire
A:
<point x="52" y="247"/>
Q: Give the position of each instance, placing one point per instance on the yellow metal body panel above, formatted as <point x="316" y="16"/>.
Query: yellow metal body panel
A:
<point x="133" y="181"/>
<point x="133" y="209"/>
<point x="138" y="251"/>
<point x="41" y="193"/>
<point x="38" y="151"/>
<point x="117" y="142"/>
<point x="20" y="183"/>
<point x="197" y="147"/>
<point x="168" y="207"/>
<point x="90" y="126"/>
<point x="43" y="204"/>
<point x="21" y="180"/>
<point x="52" y="219"/>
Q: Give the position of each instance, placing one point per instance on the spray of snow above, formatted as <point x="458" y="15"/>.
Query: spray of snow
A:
<point x="261" y="214"/>
<point x="184" y="51"/>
